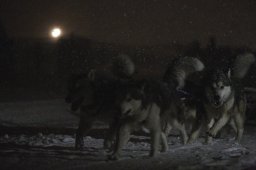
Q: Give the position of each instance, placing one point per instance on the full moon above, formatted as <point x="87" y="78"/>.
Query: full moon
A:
<point x="56" y="33"/>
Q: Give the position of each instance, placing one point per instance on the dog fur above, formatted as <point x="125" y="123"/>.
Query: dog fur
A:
<point x="94" y="95"/>
<point x="156" y="106"/>
<point x="224" y="99"/>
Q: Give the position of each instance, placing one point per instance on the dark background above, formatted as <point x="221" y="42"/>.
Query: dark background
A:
<point x="152" y="32"/>
<point x="143" y="22"/>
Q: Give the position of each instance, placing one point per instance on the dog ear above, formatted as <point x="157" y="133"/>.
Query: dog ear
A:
<point x="91" y="75"/>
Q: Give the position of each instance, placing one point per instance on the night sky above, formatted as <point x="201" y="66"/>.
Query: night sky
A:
<point x="143" y="22"/>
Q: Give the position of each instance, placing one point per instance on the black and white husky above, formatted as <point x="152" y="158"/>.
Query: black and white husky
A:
<point x="141" y="105"/>
<point x="224" y="99"/>
<point x="94" y="95"/>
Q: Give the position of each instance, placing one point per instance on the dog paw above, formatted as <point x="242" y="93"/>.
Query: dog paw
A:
<point x="190" y="141"/>
<point x="185" y="141"/>
<point x="208" y="140"/>
<point x="164" y="149"/>
<point x="79" y="147"/>
<point x="113" y="157"/>
<point x="211" y="134"/>
<point x="108" y="144"/>
<point x="79" y="144"/>
<point x="153" y="153"/>
<point x="208" y="134"/>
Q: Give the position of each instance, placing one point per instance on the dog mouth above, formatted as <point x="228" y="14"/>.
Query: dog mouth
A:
<point x="217" y="104"/>
<point x="127" y="113"/>
<point x="216" y="101"/>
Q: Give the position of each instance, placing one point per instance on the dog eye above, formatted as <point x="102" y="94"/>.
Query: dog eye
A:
<point x="222" y="87"/>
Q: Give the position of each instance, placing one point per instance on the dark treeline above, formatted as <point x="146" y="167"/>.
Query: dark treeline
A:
<point x="38" y="62"/>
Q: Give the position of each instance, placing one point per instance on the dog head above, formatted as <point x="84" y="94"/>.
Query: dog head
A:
<point x="79" y="89"/>
<point x="219" y="87"/>
<point x="130" y="100"/>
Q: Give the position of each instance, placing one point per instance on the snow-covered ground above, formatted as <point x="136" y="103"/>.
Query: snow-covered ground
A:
<point x="42" y="113"/>
<point x="37" y="150"/>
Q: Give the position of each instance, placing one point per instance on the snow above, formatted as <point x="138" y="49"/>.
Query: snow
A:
<point x="56" y="150"/>
<point x="45" y="113"/>
<point x="223" y="153"/>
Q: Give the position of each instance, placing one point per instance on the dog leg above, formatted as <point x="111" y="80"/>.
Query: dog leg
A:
<point x="209" y="126"/>
<point x="111" y="134"/>
<point x="232" y="123"/>
<point x="122" y="138"/>
<point x="240" y="127"/>
<point x="195" y="133"/>
<point x="219" y="124"/>
<point x="182" y="129"/>
<point x="83" y="129"/>
<point x="167" y="129"/>
<point x="87" y="117"/>
<point x="164" y="136"/>
<point x="165" y="146"/>
<point x="155" y="142"/>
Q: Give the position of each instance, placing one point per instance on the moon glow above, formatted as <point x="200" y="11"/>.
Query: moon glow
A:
<point x="56" y="33"/>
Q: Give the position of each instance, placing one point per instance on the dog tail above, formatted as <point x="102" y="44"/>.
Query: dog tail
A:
<point x="180" y="69"/>
<point x="242" y="64"/>
<point x="123" y="66"/>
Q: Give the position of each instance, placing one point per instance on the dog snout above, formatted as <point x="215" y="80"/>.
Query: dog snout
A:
<point x="216" y="98"/>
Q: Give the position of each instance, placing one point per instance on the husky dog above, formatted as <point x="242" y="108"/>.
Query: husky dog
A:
<point x="224" y="100"/>
<point x="155" y="106"/>
<point x="141" y="105"/>
<point x="78" y="86"/>
<point x="187" y="110"/>
<point x="94" y="95"/>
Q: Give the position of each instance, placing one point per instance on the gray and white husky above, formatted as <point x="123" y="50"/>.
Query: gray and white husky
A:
<point x="155" y="106"/>
<point x="224" y="99"/>
<point x="141" y="105"/>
